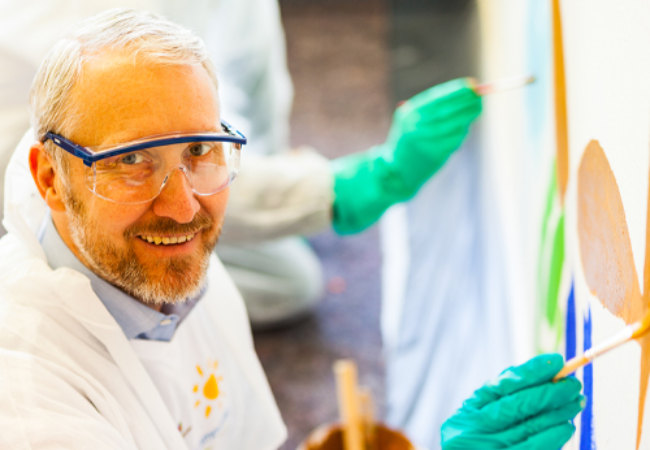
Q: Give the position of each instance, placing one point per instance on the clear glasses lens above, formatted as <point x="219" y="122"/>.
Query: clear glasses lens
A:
<point x="139" y="176"/>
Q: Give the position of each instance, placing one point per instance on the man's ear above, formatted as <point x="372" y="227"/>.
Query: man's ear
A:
<point x="46" y="177"/>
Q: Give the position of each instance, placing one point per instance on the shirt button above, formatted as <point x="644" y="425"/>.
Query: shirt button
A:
<point x="165" y="322"/>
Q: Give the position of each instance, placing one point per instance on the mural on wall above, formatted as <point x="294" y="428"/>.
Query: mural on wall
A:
<point x="606" y="65"/>
<point x="558" y="320"/>
<point x="551" y="323"/>
<point x="586" y="123"/>
<point x="606" y="253"/>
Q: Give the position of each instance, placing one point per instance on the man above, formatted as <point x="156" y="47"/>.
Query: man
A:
<point x="118" y="327"/>
<point x="81" y="383"/>
<point x="278" y="274"/>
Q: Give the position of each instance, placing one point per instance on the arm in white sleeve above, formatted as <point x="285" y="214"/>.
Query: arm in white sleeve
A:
<point x="280" y="195"/>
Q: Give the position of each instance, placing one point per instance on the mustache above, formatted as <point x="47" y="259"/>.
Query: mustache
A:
<point x="165" y="225"/>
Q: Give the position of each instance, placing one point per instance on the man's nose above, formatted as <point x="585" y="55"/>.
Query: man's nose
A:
<point x="177" y="200"/>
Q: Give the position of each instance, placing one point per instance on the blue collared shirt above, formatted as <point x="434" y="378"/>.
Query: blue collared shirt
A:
<point x="137" y="320"/>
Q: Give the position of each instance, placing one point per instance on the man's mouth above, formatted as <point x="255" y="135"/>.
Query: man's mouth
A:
<point x="167" y="240"/>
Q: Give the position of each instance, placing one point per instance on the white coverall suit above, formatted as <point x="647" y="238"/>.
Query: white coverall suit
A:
<point x="70" y="377"/>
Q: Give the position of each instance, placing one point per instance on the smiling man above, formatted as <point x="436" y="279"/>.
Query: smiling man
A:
<point x="119" y="328"/>
<point x="156" y="244"/>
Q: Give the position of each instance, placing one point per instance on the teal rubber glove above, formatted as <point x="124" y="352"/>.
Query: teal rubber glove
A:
<point x="425" y="131"/>
<point x="523" y="409"/>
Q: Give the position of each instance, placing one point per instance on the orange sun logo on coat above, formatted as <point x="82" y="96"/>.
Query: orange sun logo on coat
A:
<point x="208" y="387"/>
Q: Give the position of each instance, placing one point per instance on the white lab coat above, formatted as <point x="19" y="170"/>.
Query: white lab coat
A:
<point x="68" y="376"/>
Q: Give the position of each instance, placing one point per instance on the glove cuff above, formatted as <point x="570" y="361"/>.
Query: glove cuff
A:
<point x="365" y="186"/>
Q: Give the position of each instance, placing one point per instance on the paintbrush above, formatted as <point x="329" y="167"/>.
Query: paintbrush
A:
<point x="368" y="416"/>
<point x="632" y="331"/>
<point x="503" y="85"/>
<point x="349" y="407"/>
<point x="493" y="87"/>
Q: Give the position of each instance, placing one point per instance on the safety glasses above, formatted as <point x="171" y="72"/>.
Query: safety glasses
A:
<point x="137" y="171"/>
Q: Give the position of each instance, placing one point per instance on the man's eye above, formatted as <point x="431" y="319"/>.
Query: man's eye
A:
<point x="198" y="149"/>
<point x="132" y="158"/>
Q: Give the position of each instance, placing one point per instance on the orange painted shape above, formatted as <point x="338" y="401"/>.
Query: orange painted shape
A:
<point x="211" y="388"/>
<point x="196" y="388"/>
<point x="605" y="246"/>
<point x="645" y="341"/>
<point x="561" y="123"/>
<point x="196" y="405"/>
<point x="606" y="252"/>
<point x="208" y="410"/>
<point x="199" y="370"/>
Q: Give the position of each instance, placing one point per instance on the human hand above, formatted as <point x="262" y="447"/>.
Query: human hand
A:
<point x="521" y="410"/>
<point x="426" y="129"/>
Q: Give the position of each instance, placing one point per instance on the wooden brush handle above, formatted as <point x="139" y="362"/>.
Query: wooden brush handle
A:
<point x="368" y="415"/>
<point x="348" y="396"/>
<point x="620" y="338"/>
<point x="571" y="366"/>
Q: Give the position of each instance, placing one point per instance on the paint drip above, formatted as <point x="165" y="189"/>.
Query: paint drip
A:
<point x="561" y="123"/>
<point x="587" y="440"/>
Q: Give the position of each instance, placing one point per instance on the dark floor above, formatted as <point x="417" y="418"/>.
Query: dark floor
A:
<point x="338" y="57"/>
<point x="298" y="360"/>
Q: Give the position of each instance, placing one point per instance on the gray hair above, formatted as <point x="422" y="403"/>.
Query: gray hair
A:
<point x="144" y="35"/>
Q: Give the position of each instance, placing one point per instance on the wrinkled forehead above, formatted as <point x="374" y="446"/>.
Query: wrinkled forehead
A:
<point x="119" y="98"/>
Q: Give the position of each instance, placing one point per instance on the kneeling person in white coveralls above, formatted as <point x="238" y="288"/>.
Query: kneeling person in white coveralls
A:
<point x="119" y="328"/>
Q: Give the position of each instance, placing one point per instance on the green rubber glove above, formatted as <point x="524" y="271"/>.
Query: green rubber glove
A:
<point x="521" y="410"/>
<point x="425" y="131"/>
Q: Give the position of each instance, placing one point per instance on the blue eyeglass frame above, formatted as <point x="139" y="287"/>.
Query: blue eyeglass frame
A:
<point x="89" y="157"/>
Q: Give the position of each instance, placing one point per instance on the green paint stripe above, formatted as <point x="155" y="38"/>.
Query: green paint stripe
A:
<point x="550" y="267"/>
<point x="555" y="275"/>
<point x="550" y="198"/>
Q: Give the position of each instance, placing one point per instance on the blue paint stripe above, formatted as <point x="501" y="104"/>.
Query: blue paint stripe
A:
<point x="587" y="438"/>
<point x="570" y="341"/>
<point x="570" y="335"/>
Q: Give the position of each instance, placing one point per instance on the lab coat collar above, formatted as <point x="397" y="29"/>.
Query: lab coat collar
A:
<point x="135" y="318"/>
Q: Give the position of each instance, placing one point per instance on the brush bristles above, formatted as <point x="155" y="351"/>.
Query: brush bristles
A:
<point x="644" y="327"/>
